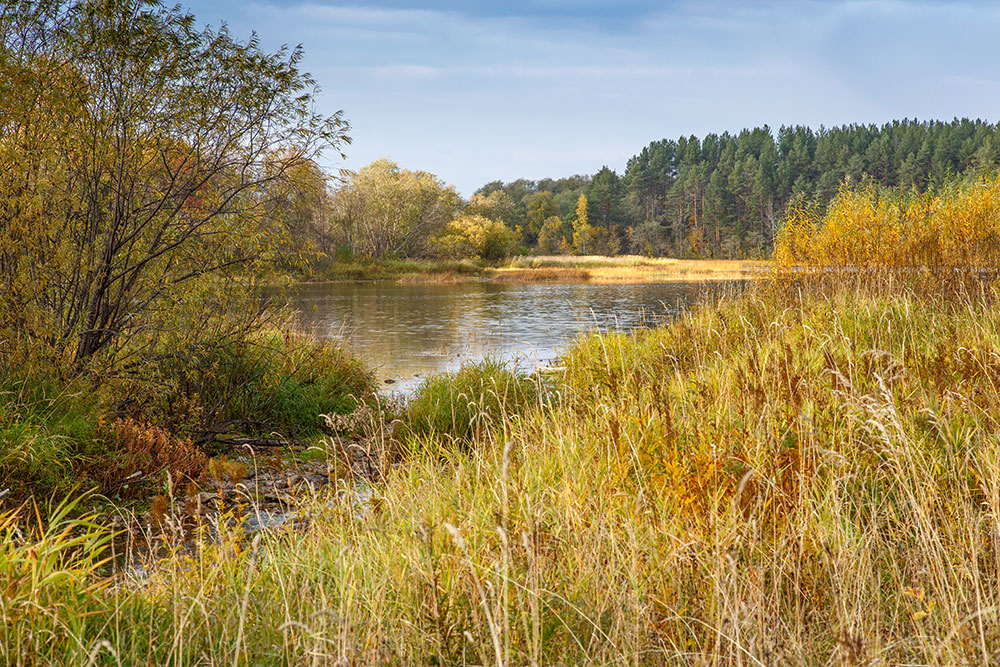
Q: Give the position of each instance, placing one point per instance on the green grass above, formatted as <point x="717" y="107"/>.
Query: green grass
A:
<point x="47" y="428"/>
<point x="798" y="475"/>
<point x="472" y="402"/>
<point x="270" y="383"/>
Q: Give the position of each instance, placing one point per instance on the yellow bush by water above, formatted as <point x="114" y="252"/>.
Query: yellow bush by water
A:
<point x="956" y="228"/>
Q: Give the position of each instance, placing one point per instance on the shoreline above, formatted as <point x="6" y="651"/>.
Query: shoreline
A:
<point x="625" y="269"/>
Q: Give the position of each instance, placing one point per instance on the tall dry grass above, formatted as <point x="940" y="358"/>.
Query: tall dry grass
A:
<point x="800" y="475"/>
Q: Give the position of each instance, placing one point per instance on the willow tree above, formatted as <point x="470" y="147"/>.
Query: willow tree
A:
<point x="384" y="211"/>
<point x="136" y="158"/>
<point x="298" y="206"/>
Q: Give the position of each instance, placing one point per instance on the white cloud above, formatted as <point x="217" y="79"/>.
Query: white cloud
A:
<point x="407" y="71"/>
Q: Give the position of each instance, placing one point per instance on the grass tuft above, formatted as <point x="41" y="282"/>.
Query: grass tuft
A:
<point x="471" y="403"/>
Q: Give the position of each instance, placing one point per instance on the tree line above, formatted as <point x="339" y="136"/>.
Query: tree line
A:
<point x="725" y="195"/>
<point x="384" y="211"/>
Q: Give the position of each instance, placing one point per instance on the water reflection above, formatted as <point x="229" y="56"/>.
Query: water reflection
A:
<point x="409" y="331"/>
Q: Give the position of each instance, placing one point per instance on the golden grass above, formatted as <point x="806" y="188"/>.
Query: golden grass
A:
<point x="551" y="268"/>
<point x="443" y="277"/>
<point x="793" y="476"/>
<point x="633" y="269"/>
<point x="542" y="274"/>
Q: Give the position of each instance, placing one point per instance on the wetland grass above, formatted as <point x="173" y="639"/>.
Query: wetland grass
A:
<point x="799" y="474"/>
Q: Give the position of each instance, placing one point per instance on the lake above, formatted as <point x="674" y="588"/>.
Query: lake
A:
<point x="407" y="332"/>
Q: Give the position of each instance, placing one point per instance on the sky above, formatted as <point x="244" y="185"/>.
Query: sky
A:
<point x="478" y="92"/>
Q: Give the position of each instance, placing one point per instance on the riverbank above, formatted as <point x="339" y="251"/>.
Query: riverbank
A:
<point x="123" y="436"/>
<point x="633" y="269"/>
<point x="803" y="474"/>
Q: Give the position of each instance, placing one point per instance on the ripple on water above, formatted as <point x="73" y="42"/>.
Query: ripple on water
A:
<point x="407" y="332"/>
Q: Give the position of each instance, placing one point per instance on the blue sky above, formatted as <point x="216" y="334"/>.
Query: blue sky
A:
<point x="476" y="92"/>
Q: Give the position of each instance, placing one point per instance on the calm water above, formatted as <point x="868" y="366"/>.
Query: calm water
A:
<point x="407" y="332"/>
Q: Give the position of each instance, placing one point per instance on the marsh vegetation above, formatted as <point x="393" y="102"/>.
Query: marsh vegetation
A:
<point x="804" y="473"/>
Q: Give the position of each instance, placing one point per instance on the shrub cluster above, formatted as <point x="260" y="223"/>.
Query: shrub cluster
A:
<point x="476" y="236"/>
<point x="122" y="435"/>
<point x="263" y="384"/>
<point x="953" y="229"/>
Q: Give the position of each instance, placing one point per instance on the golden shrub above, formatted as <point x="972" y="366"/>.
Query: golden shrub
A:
<point x="955" y="229"/>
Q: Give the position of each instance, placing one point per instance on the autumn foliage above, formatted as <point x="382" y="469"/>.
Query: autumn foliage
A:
<point x="142" y="451"/>
<point x="955" y="229"/>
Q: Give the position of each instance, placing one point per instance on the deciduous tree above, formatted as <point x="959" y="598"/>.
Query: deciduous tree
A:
<point x="136" y="158"/>
<point x="383" y="211"/>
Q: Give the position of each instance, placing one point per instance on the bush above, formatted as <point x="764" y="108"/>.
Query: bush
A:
<point x="471" y="402"/>
<point x="54" y="438"/>
<point x="269" y="384"/>
<point x="476" y="236"/>
<point x="869" y="228"/>
<point x="57" y="434"/>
